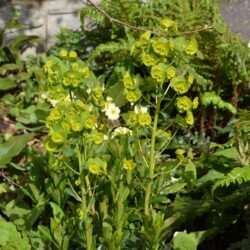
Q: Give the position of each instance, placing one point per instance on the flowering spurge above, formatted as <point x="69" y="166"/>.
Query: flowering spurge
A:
<point x="103" y="173"/>
<point x="139" y="116"/>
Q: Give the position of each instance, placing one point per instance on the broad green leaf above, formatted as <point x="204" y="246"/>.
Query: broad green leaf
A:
<point x="10" y="67"/>
<point x="13" y="147"/>
<point x="184" y="241"/>
<point x="175" y="188"/>
<point x="211" y="176"/>
<point x="10" y="238"/>
<point x="6" y="83"/>
<point x="229" y="153"/>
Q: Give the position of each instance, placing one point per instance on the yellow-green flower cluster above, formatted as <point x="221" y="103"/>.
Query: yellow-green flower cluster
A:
<point x="68" y="118"/>
<point x="183" y="154"/>
<point x="131" y="85"/>
<point x="185" y="104"/>
<point x="155" y="52"/>
<point x="129" y="165"/>
<point x="96" y="166"/>
<point x="161" y="46"/>
<point x="139" y="116"/>
<point x="169" y="25"/>
<point x="65" y="71"/>
<point x="180" y="85"/>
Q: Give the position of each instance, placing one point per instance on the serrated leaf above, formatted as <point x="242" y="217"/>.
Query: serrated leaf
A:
<point x="237" y="175"/>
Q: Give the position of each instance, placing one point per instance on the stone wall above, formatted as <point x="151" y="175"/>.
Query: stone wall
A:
<point x="237" y="15"/>
<point x="42" y="18"/>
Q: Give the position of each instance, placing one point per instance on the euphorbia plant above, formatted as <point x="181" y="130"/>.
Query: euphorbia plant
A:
<point x="114" y="156"/>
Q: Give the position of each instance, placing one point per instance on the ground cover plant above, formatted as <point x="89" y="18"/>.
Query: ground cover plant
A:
<point x="122" y="153"/>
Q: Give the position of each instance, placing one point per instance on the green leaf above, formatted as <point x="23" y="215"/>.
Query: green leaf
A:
<point x="22" y="40"/>
<point x="200" y="236"/>
<point x="13" y="147"/>
<point x="46" y="233"/>
<point x="57" y="212"/>
<point x="116" y="93"/>
<point x="10" y="67"/>
<point x="211" y="176"/>
<point x="3" y="188"/>
<point x="228" y="153"/>
<point x="184" y="241"/>
<point x="190" y="169"/>
<point x="220" y="27"/>
<point x="10" y="238"/>
<point x="6" y="83"/>
<point x="237" y="175"/>
<point x="175" y="188"/>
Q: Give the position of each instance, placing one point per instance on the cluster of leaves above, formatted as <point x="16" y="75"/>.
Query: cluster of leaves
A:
<point x="121" y="108"/>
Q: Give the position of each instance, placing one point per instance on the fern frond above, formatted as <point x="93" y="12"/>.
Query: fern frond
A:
<point x="109" y="47"/>
<point x="237" y="175"/>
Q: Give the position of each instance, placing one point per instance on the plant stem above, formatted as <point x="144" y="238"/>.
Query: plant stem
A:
<point x="86" y="219"/>
<point x="151" y="163"/>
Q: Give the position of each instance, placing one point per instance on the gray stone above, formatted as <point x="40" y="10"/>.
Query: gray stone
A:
<point x="237" y="15"/>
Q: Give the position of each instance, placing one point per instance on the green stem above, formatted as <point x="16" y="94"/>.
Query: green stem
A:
<point x="86" y="219"/>
<point x="151" y="163"/>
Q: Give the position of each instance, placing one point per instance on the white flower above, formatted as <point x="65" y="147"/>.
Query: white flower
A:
<point x="109" y="99"/>
<point x="141" y="109"/>
<point x="45" y="95"/>
<point x="248" y="45"/>
<point x="112" y="112"/>
<point x="89" y="90"/>
<point x="121" y="131"/>
<point x="53" y="102"/>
